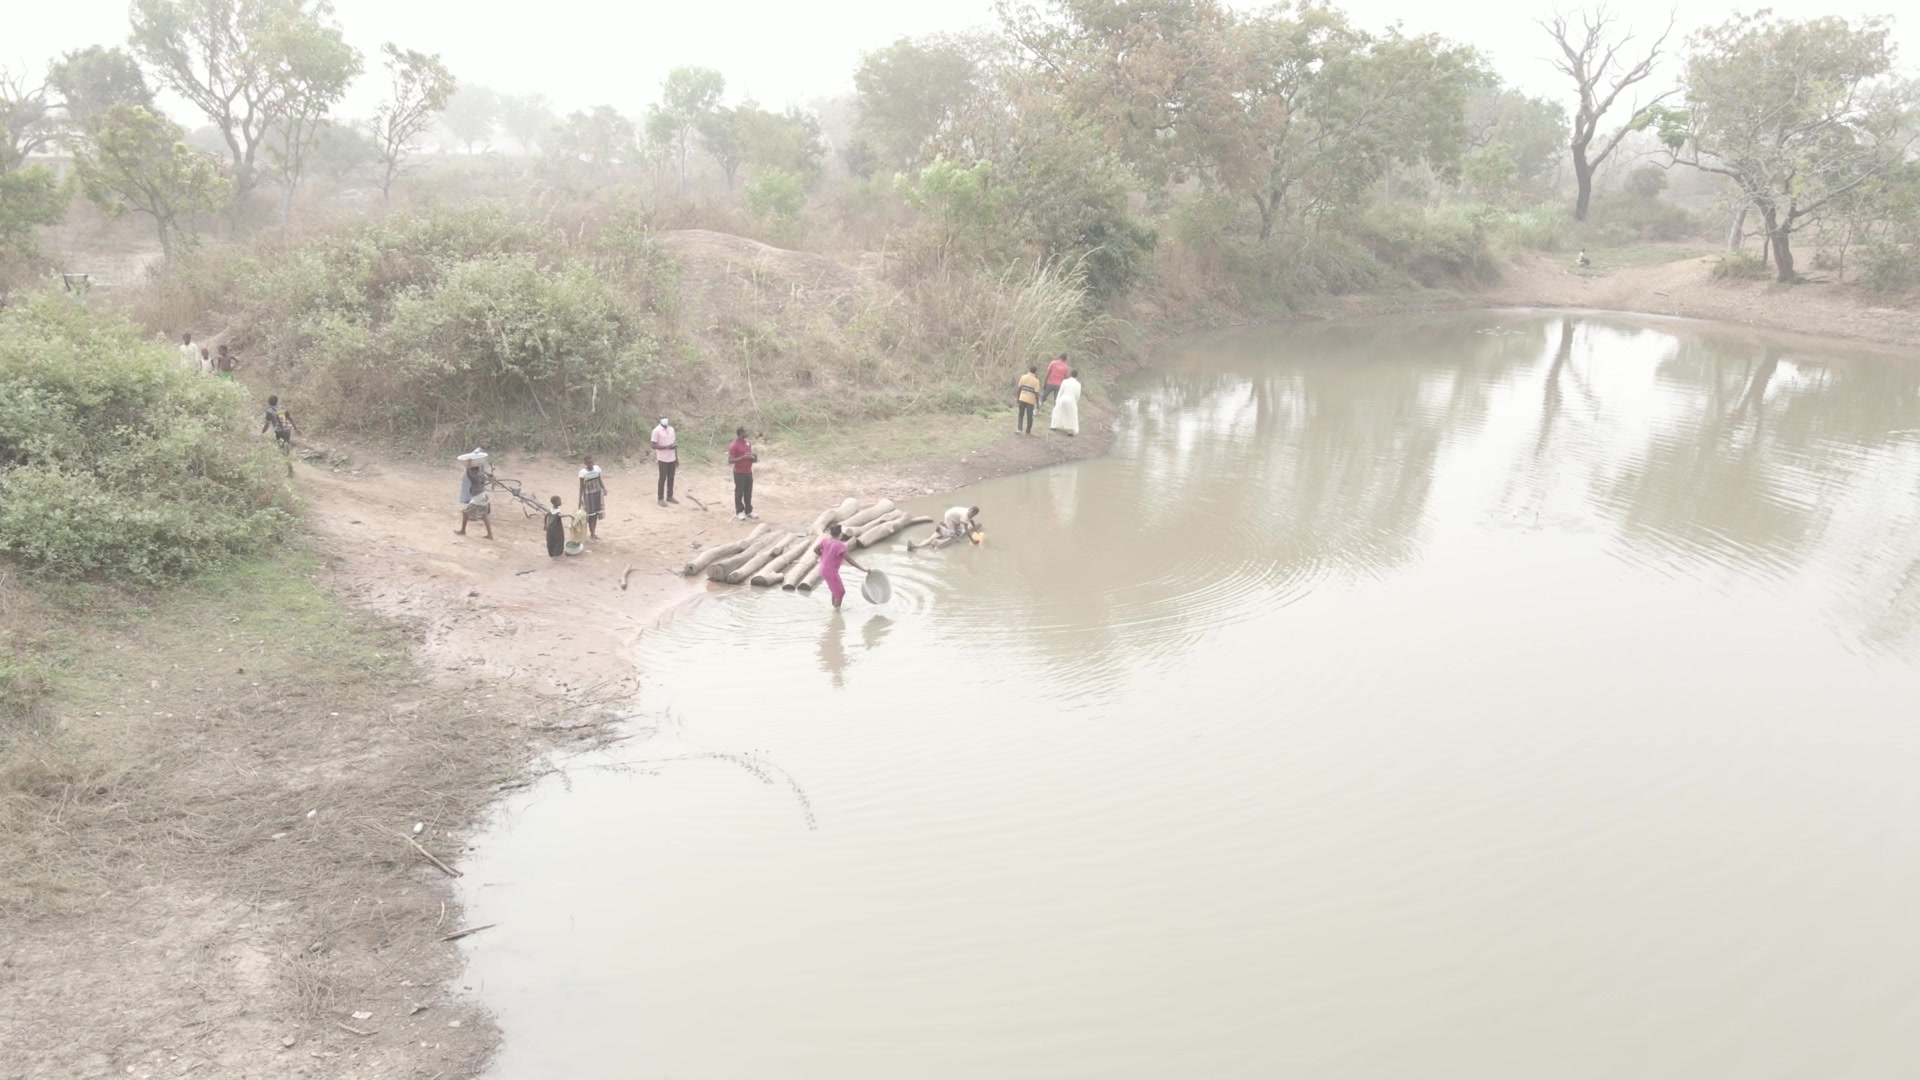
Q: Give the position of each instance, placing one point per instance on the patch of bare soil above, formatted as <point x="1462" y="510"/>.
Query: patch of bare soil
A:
<point x="1687" y="288"/>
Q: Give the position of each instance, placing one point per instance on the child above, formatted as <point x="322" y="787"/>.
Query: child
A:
<point x="556" y="530"/>
<point x="281" y="421"/>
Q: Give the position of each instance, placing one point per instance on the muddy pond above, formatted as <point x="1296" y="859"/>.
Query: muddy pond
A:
<point x="1492" y="695"/>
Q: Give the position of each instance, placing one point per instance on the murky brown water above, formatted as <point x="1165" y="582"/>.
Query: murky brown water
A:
<point x="1496" y="696"/>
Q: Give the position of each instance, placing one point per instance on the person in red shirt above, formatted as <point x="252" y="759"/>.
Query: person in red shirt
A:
<point x="1056" y="374"/>
<point x="740" y="455"/>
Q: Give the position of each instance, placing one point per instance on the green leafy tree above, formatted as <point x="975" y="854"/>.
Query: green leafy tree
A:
<point x="911" y="91"/>
<point x="598" y="140"/>
<point x="962" y="203"/>
<point x="90" y="81"/>
<point x="341" y="151"/>
<point x="1600" y="58"/>
<point x="720" y="137"/>
<point x="688" y="95"/>
<point x="1796" y="114"/>
<point x="321" y="65"/>
<point x="1514" y="142"/>
<point x="134" y="161"/>
<point x="472" y="115"/>
<point x="529" y="119"/>
<point x="418" y="89"/>
<point x="251" y="66"/>
<point x="29" y="196"/>
<point x="26" y="119"/>
<point x="790" y="141"/>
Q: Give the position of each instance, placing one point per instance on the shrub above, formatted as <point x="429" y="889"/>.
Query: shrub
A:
<point x="1740" y="266"/>
<point x="117" y="463"/>
<point x="1886" y="267"/>
<point x="455" y="327"/>
<point x="1432" y="244"/>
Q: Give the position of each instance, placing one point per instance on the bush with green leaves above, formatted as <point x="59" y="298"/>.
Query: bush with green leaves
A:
<point x="1886" y="267"/>
<point x="452" y="327"/>
<point x="115" y="462"/>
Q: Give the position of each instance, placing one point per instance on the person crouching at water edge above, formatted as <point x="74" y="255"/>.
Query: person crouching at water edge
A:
<point x="833" y="552"/>
<point x="474" y="504"/>
<point x="593" y="496"/>
<point x="958" y="523"/>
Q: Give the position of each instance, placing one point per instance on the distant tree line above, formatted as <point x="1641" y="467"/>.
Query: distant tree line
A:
<point x="1077" y="130"/>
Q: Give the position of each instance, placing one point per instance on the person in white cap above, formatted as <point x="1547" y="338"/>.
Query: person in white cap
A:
<point x="666" y="452"/>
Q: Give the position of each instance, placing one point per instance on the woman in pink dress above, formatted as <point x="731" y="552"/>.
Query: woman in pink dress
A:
<point x="833" y="552"/>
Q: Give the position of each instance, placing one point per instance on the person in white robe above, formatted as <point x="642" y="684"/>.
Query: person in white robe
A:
<point x="1066" y="407"/>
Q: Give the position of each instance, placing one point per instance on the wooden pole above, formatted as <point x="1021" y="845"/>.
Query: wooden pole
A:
<point x="885" y="529"/>
<point x="767" y="554"/>
<point x="828" y="517"/>
<point x="802" y="567"/>
<point x="719" y="571"/>
<point x="870" y="514"/>
<point x="773" y="572"/>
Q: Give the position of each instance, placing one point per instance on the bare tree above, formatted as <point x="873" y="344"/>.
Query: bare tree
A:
<point x="1591" y="55"/>
<point x="421" y="88"/>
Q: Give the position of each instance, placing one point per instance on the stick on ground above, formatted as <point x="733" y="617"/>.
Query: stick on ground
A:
<point x="444" y="868"/>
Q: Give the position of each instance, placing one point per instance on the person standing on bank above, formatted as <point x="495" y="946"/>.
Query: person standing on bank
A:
<point x="1028" y="396"/>
<point x="1066" y="411"/>
<point x="740" y="455"/>
<point x="666" y="452"/>
<point x="593" y="495"/>
<point x="1056" y="374"/>
<point x="190" y="353"/>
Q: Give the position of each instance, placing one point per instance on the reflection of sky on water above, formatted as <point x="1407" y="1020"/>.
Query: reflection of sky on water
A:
<point x="1379" y="665"/>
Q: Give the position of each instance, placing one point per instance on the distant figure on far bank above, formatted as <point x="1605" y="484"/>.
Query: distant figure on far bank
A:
<point x="224" y="362"/>
<point x="474" y="504"/>
<point x="1581" y="260"/>
<point x="1057" y="373"/>
<point x="1066" y="411"/>
<point x="593" y="495"/>
<point x="666" y="452"/>
<point x="740" y="455"/>
<point x="1028" y="397"/>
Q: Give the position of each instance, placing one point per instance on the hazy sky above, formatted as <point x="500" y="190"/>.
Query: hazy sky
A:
<point x="587" y="52"/>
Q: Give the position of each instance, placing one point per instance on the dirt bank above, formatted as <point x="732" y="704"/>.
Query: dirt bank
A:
<point x="207" y="869"/>
<point x="1680" y="286"/>
<point x="223" y="884"/>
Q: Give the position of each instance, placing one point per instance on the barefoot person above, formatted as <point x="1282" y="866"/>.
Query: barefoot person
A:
<point x="474" y="504"/>
<point x="1066" y="411"/>
<point x="666" y="452"/>
<point x="959" y="523"/>
<point x="593" y="495"/>
<point x="740" y="455"/>
<point x="281" y="421"/>
<point x="833" y="552"/>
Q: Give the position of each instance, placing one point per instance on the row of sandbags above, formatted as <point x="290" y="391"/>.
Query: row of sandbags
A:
<point x="770" y="556"/>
